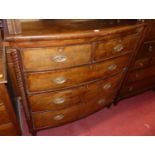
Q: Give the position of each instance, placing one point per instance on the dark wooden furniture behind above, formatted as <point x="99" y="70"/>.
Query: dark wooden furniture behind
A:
<point x="67" y="69"/>
<point x="9" y="124"/>
<point x="141" y="75"/>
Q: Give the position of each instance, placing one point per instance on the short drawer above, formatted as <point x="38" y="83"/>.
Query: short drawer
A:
<point x="52" y="119"/>
<point x="63" y="99"/>
<point x="146" y="73"/>
<point x="70" y="77"/>
<point x="38" y="59"/>
<point x="115" y="47"/>
<point x="4" y="117"/>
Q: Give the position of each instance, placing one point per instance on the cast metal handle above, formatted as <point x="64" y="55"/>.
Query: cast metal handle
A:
<point x="118" y="48"/>
<point x="112" y="67"/>
<point x="60" y="80"/>
<point x="107" y="86"/>
<point x="101" y="101"/>
<point x="150" y="48"/>
<point x="60" y="58"/>
<point x="59" y="101"/>
<point x="58" y="117"/>
<point x="1" y="75"/>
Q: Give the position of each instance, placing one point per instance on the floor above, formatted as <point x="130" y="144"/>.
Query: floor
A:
<point x="133" y="116"/>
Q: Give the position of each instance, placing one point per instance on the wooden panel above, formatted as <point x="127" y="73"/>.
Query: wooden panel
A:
<point x="146" y="73"/>
<point x="7" y="130"/>
<point x="4" y="117"/>
<point x="57" y="57"/>
<point x="66" y="98"/>
<point x="138" y="86"/>
<point x="116" y="46"/>
<point x="71" y="77"/>
<point x="46" y="119"/>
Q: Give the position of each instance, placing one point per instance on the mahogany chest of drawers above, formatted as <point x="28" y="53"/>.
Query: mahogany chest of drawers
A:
<point x="9" y="125"/>
<point x="65" y="76"/>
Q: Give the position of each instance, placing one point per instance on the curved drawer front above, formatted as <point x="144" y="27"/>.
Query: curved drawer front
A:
<point x="146" y="73"/>
<point x="115" y="47"/>
<point x="62" y="99"/>
<point x="72" y="77"/>
<point x="38" y="59"/>
<point x="7" y="130"/>
<point x="51" y="119"/>
<point x="4" y="117"/>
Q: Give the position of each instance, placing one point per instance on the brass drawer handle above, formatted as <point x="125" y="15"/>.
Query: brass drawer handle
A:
<point x="59" y="101"/>
<point x="101" y="101"/>
<point x="58" y="117"/>
<point x="130" y="88"/>
<point x="107" y="86"/>
<point x="118" y="48"/>
<point x="1" y="75"/>
<point x="60" y="80"/>
<point x="60" y="58"/>
<point x="150" y="48"/>
<point x="1" y="103"/>
<point x="112" y="67"/>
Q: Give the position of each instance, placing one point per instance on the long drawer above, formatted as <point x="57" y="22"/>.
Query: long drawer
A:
<point x="71" y="77"/>
<point x="66" y="98"/>
<point x="59" y="117"/>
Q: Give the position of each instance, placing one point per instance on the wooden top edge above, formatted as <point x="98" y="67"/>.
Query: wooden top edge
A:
<point x="73" y="35"/>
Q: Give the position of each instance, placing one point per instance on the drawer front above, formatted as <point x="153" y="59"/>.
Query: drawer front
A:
<point x="137" y="86"/>
<point x="115" y="47"/>
<point x="51" y="119"/>
<point x="7" y="130"/>
<point x="63" y="99"/>
<point x="140" y="63"/>
<point x="147" y="50"/>
<point x="57" y="57"/>
<point x="98" y="103"/>
<point x="4" y="117"/>
<point x="71" y="77"/>
<point x="146" y="73"/>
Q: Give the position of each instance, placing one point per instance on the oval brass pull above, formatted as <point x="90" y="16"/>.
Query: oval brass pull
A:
<point x="150" y="48"/>
<point x="107" y="86"/>
<point x="112" y="67"/>
<point x="118" y="48"/>
<point x="59" y="80"/>
<point x="59" y="101"/>
<point x="1" y="103"/>
<point x="1" y="75"/>
<point x="141" y="64"/>
<point x="101" y="101"/>
<point x="130" y="88"/>
<point x="60" y="58"/>
<point x="58" y="117"/>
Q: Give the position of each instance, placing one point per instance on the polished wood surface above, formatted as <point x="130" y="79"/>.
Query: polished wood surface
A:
<point x="9" y="124"/>
<point x="68" y="69"/>
<point x="141" y="76"/>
